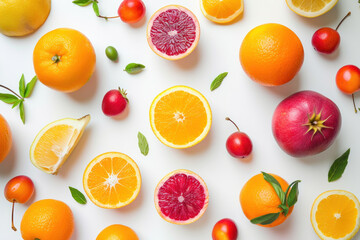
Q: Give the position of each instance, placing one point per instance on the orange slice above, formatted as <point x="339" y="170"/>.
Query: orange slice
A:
<point x="311" y="8"/>
<point x="335" y="215"/>
<point x="221" y="11"/>
<point x="112" y="180"/>
<point x="55" y="142"/>
<point x="180" y="117"/>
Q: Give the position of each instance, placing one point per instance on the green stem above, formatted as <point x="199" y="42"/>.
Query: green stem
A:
<point x="11" y="91"/>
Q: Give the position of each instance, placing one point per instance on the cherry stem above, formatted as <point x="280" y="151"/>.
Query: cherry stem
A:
<point x="349" y="13"/>
<point x="227" y="118"/>
<point x="107" y="17"/>
<point x="353" y="98"/>
<point x="11" y="91"/>
<point x="12" y="217"/>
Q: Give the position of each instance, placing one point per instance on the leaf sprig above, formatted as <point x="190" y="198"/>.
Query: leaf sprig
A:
<point x="133" y="68"/>
<point x="217" y="81"/>
<point x="95" y="6"/>
<point x="16" y="99"/>
<point x="287" y="199"/>
<point x="77" y="195"/>
<point x="143" y="144"/>
<point x="338" y="167"/>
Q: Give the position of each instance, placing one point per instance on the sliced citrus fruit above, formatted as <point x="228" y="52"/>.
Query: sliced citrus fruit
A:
<point x="311" y="8"/>
<point x="221" y="11"/>
<point x="335" y="215"/>
<point x="112" y="180"/>
<point x="173" y="32"/>
<point x="55" y="142"/>
<point x="181" y="197"/>
<point x="180" y="117"/>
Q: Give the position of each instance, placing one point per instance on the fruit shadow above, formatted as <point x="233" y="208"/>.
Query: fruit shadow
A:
<point x="134" y="205"/>
<point x="87" y="92"/>
<point x="140" y="23"/>
<point x="200" y="147"/>
<point x="76" y="154"/>
<point x="9" y="163"/>
<point x="328" y="155"/>
<point x="122" y="115"/>
<point x="287" y="89"/>
<point x="190" y="61"/>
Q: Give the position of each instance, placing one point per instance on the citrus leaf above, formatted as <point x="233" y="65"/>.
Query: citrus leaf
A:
<point x="30" y="86"/>
<point x="285" y="209"/>
<point x="82" y="3"/>
<point x="8" y="98"/>
<point x="217" y="81"/>
<point x="265" y="219"/>
<point x="134" y="68"/>
<point x="77" y="195"/>
<point x="22" y="112"/>
<point x="17" y="103"/>
<point x="338" y="167"/>
<point x="22" y="86"/>
<point x="293" y="195"/>
<point x="276" y="185"/>
<point x="143" y="144"/>
<point x="96" y="8"/>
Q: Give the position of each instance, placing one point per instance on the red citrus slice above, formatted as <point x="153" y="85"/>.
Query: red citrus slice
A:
<point x="173" y="32"/>
<point x="181" y="197"/>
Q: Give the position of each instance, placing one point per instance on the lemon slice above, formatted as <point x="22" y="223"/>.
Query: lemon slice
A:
<point x="335" y="215"/>
<point x="311" y="8"/>
<point x="54" y="143"/>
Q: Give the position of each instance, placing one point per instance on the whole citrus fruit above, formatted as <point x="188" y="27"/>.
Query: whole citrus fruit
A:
<point x="5" y="138"/>
<point x="47" y="220"/>
<point x="22" y="17"/>
<point x="271" y="54"/>
<point x="64" y="59"/>
<point x="117" y="232"/>
<point x="258" y="198"/>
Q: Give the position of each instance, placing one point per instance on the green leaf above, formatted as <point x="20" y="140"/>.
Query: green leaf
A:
<point x="265" y="219"/>
<point x="22" y="86"/>
<point x="17" y="103"/>
<point x="285" y="209"/>
<point x="82" y="3"/>
<point x="338" y="167"/>
<point x="276" y="185"/>
<point x="8" y="98"/>
<point x="133" y="68"/>
<point x="77" y="195"/>
<point x="30" y="86"/>
<point x="143" y="144"/>
<point x="37" y="239"/>
<point x="217" y="81"/>
<point x="96" y="8"/>
<point x="22" y="112"/>
<point x="293" y="195"/>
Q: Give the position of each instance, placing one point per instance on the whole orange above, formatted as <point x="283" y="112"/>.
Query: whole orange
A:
<point x="5" y="138"/>
<point x="258" y="198"/>
<point x="271" y="54"/>
<point x="64" y="59"/>
<point x="117" y="232"/>
<point x="47" y="220"/>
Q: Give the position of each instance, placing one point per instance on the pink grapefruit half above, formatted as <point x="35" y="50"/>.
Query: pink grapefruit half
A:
<point x="181" y="197"/>
<point x="173" y="32"/>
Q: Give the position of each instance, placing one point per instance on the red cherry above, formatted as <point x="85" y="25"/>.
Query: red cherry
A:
<point x="348" y="80"/>
<point x="18" y="190"/>
<point x="131" y="11"/>
<point x="225" y="229"/>
<point x="238" y="144"/>
<point x="114" y="102"/>
<point x="326" y="40"/>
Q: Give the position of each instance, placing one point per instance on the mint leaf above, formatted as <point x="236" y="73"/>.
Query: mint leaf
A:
<point x="22" y="86"/>
<point x="22" y="112"/>
<point x="30" y="86"/>
<point x="82" y="3"/>
<point x="294" y="193"/>
<point x="133" y="68"/>
<point x="77" y="195"/>
<point x="276" y="185"/>
<point x="143" y="144"/>
<point x="217" y="81"/>
<point x="8" y="98"/>
<point x="96" y="8"/>
<point x="338" y="167"/>
<point x="265" y="219"/>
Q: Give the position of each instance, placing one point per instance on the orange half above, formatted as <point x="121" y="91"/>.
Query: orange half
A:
<point x="112" y="180"/>
<point x="221" y="11"/>
<point x="180" y="117"/>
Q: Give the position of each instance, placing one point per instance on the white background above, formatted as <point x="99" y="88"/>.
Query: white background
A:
<point x="245" y="101"/>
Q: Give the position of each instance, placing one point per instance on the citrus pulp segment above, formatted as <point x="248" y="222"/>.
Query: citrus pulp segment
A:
<point x="335" y="215"/>
<point x="311" y="8"/>
<point x="181" y="197"/>
<point x="221" y="11"/>
<point x="55" y="142"/>
<point x="180" y="117"/>
<point x="112" y="180"/>
<point x="173" y="32"/>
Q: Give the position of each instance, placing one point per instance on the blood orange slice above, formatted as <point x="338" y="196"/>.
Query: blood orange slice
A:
<point x="181" y="197"/>
<point x="173" y="32"/>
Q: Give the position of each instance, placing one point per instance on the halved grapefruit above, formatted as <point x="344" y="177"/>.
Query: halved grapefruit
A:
<point x="173" y="32"/>
<point x="181" y="197"/>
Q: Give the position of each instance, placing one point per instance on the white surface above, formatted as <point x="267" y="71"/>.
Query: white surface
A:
<point x="246" y="102"/>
